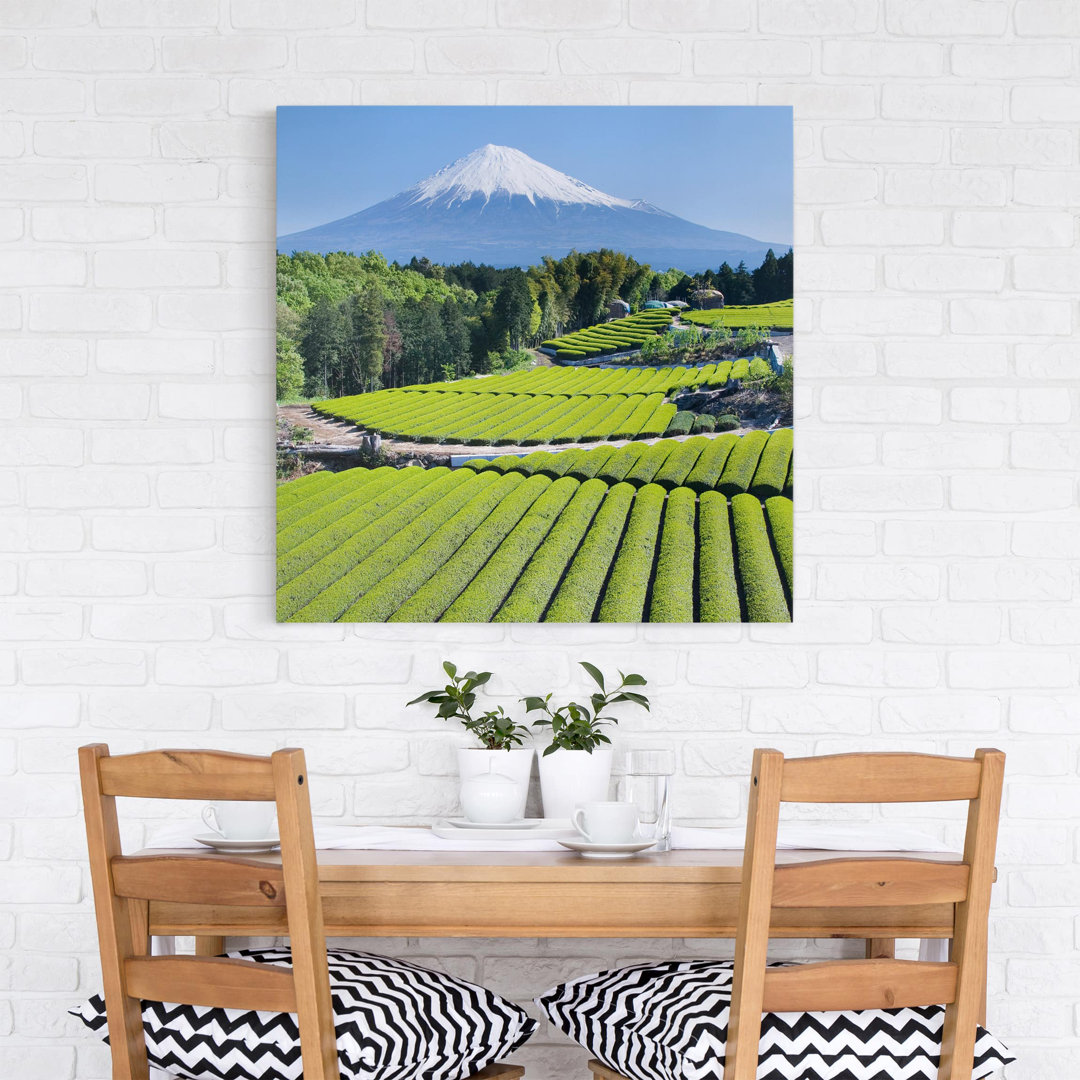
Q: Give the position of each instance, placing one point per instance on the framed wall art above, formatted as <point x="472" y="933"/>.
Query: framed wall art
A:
<point x="534" y="364"/>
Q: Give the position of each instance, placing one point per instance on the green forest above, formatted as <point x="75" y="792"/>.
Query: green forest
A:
<point x="351" y="324"/>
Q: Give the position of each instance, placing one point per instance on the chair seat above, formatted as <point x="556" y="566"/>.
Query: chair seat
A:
<point x="667" y="1021"/>
<point x="394" y="1021"/>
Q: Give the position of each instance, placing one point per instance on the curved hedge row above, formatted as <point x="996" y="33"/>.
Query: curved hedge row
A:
<point x="579" y="591"/>
<point x="429" y="602"/>
<point x="628" y="587"/>
<point x="481" y="544"/>
<point x="536" y="586"/>
<point x="680" y="461"/>
<point x="758" y="575"/>
<point x="325" y="558"/>
<point x="770" y="475"/>
<point x="730" y="463"/>
<point x="622" y="334"/>
<point x="779" y="511"/>
<point x="740" y="466"/>
<point x="484" y="595"/>
<point x="673" y="587"/>
<point x="705" y="474"/>
<point x="778" y="315"/>
<point x="384" y="598"/>
<point x="718" y="589"/>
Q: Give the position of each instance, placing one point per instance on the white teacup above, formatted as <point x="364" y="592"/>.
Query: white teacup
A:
<point x="606" y="822"/>
<point x="240" y="820"/>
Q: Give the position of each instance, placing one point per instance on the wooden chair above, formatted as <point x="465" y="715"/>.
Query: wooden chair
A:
<point x="124" y="886"/>
<point x="872" y="983"/>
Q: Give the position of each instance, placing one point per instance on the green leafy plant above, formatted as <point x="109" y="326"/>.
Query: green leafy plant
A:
<point x="455" y="701"/>
<point x="578" y="727"/>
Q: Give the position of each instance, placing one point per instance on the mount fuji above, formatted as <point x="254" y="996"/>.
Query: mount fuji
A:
<point x="499" y="206"/>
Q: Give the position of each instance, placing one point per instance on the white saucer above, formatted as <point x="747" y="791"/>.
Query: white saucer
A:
<point x="607" y="851"/>
<point x="520" y="823"/>
<point x="249" y="847"/>
<point x="538" y="829"/>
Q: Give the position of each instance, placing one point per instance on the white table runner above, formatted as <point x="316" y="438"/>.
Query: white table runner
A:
<point x="882" y="836"/>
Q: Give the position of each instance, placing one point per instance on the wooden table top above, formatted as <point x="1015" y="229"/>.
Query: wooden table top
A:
<point x="685" y="865"/>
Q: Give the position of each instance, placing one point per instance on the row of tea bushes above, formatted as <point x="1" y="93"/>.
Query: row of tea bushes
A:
<point x="490" y="545"/>
<point x="758" y="462"/>
<point x="779" y="316"/>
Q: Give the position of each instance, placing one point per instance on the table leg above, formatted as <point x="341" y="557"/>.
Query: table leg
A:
<point x="209" y="946"/>
<point x="880" y="948"/>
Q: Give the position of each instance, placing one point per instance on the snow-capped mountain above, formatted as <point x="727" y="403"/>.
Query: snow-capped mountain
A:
<point x="497" y="205"/>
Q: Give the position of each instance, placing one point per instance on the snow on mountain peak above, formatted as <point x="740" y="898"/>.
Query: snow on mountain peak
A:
<point x="502" y="170"/>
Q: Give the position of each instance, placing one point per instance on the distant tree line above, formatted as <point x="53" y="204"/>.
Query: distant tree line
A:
<point x="350" y="324"/>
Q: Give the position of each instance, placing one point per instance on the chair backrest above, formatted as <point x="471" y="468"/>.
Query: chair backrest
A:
<point x="125" y="886"/>
<point x="866" y="882"/>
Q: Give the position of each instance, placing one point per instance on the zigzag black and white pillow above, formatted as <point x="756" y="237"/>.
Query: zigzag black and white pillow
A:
<point x="668" y="1021"/>
<point x="394" y="1021"/>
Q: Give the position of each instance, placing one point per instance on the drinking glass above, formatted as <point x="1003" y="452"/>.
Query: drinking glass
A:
<point x="647" y="784"/>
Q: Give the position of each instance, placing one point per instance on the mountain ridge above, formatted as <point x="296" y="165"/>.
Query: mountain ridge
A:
<point x="500" y="206"/>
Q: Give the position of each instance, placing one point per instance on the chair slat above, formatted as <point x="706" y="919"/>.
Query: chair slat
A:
<point x="188" y="774"/>
<point x="869" y="883"/>
<point x="880" y="778"/>
<point x="199" y="879"/>
<point x="219" y="983"/>
<point x="499" y="1072"/>
<point x="858" y="984"/>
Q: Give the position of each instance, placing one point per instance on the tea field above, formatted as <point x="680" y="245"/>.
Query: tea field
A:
<point x="780" y="316"/>
<point x="681" y="531"/>
<point x="617" y="335"/>
<point x="532" y="408"/>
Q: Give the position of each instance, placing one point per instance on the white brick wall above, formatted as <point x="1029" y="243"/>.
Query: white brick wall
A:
<point x="938" y="541"/>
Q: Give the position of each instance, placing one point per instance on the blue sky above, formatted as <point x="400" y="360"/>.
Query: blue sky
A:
<point x="724" y="167"/>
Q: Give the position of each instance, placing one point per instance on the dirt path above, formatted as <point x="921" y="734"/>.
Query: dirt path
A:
<point x="328" y="432"/>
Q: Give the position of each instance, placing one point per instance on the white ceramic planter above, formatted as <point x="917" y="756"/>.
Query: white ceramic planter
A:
<point x="569" y="778"/>
<point x="515" y="764"/>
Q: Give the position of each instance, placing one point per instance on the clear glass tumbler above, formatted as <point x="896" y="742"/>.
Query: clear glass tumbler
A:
<point x="647" y="784"/>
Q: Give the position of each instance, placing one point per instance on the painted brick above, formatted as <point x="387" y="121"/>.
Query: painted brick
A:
<point x="935" y="535"/>
<point x="280" y="14"/>
<point x="92" y="225"/>
<point x="494" y="53"/>
<point x="949" y="187"/>
<point x="700" y="16"/>
<point x="163" y="13"/>
<point x="248" y="52"/>
<point x="747" y="57"/>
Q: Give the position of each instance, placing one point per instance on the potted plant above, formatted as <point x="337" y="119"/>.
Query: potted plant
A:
<point x="576" y="767"/>
<point x="500" y="751"/>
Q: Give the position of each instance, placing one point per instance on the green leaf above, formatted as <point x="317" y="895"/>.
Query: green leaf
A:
<point x="449" y="668"/>
<point x="481" y="678"/>
<point x="533" y="703"/>
<point x="594" y="671"/>
<point x="634" y="680"/>
<point x="430" y="695"/>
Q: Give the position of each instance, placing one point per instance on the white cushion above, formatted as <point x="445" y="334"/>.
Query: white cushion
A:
<point x="668" y="1021"/>
<point x="394" y="1021"/>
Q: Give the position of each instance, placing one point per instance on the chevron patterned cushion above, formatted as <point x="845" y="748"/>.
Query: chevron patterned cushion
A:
<point x="668" y="1021"/>
<point x="394" y="1021"/>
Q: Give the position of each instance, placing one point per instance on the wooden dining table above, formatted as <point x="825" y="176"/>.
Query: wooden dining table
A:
<point x="461" y="894"/>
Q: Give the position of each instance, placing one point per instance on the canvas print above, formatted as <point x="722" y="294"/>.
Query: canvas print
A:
<point x="534" y="364"/>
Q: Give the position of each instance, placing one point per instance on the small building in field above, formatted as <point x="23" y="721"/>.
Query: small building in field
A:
<point x="707" y="298"/>
<point x="652" y="305"/>
<point x="618" y="309"/>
